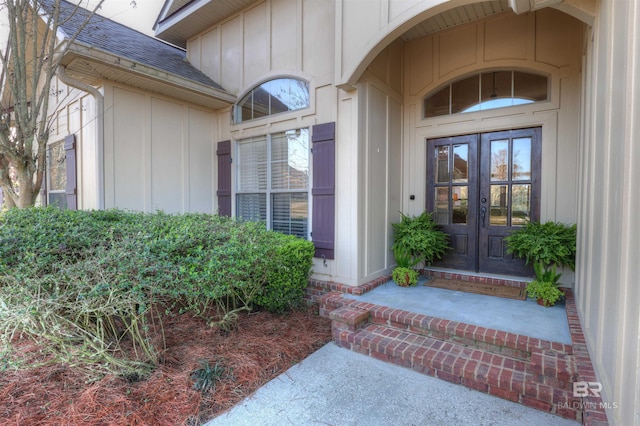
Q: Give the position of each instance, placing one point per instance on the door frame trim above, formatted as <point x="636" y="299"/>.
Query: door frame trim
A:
<point x="415" y="158"/>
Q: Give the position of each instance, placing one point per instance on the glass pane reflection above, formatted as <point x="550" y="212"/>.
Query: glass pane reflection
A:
<point x="520" y="204"/>
<point x="521" y="159"/>
<point x="460" y="202"/>
<point x="442" y="205"/>
<point x="460" y="163"/>
<point x="442" y="164"/>
<point x="499" y="160"/>
<point x="273" y="97"/>
<point x="499" y="205"/>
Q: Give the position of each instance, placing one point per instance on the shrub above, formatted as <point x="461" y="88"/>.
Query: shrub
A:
<point x="92" y="285"/>
<point x="286" y="281"/>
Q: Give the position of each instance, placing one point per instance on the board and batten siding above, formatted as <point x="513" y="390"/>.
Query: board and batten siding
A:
<point x="159" y="154"/>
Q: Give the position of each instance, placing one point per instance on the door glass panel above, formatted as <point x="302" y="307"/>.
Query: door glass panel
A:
<point x="499" y="160"/>
<point x="499" y="205"/>
<point x="442" y="205"/>
<point x="460" y="204"/>
<point x="442" y="164"/>
<point x="521" y="204"/>
<point x="460" y="163"/>
<point x="521" y="159"/>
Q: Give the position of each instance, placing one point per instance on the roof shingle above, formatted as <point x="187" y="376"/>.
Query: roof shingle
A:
<point x="120" y="40"/>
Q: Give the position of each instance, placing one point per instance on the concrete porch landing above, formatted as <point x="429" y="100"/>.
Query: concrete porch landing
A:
<point x="454" y="337"/>
<point x="515" y="316"/>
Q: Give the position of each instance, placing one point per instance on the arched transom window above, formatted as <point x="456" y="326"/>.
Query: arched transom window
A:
<point x="273" y="97"/>
<point x="487" y="90"/>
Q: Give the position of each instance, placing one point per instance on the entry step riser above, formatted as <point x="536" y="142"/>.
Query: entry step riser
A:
<point x="541" y="379"/>
<point x="501" y="342"/>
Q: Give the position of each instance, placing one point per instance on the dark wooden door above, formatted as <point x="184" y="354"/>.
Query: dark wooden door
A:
<point x="452" y="196"/>
<point x="509" y="195"/>
<point x="480" y="188"/>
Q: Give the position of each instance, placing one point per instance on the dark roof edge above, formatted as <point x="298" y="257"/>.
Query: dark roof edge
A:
<point x="113" y="60"/>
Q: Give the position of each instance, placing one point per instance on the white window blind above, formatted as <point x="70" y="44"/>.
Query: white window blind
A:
<point x="273" y="181"/>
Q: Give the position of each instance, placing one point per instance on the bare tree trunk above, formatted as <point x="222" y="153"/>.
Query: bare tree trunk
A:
<point x="8" y="200"/>
<point x="25" y="197"/>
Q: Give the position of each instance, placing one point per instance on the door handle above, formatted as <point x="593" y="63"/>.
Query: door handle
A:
<point x="483" y="214"/>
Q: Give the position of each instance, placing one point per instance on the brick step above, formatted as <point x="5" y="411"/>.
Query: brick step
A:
<point x="530" y="371"/>
<point x="495" y="341"/>
<point x="546" y="366"/>
<point x="484" y="371"/>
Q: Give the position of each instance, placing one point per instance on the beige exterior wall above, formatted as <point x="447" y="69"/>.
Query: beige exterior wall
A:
<point x="608" y="295"/>
<point x="271" y="38"/>
<point x="158" y="153"/>
<point x="546" y="42"/>
<point x="277" y="38"/>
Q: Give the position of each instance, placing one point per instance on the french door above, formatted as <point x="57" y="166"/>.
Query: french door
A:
<point x="480" y="188"/>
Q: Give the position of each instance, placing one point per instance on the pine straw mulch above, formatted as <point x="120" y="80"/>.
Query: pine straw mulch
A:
<point x="261" y="347"/>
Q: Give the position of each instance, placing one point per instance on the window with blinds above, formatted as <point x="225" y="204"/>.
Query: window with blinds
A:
<point x="272" y="184"/>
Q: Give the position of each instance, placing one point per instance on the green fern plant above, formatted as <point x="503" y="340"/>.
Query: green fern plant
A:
<point x="403" y="257"/>
<point x="418" y="239"/>
<point x="546" y="275"/>
<point x="548" y="244"/>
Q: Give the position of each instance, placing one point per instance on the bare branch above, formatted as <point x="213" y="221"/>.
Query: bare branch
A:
<point x="34" y="53"/>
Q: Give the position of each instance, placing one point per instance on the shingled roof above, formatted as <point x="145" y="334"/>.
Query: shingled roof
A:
<point x="122" y="41"/>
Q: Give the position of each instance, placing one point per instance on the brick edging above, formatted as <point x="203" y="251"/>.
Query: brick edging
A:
<point x="593" y="408"/>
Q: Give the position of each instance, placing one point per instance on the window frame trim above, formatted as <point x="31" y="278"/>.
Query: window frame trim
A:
<point x="450" y="80"/>
<point x="269" y="188"/>
<point x="252" y="87"/>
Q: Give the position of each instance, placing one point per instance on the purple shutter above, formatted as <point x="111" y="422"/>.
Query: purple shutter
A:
<point x="224" y="178"/>
<point x="323" y="191"/>
<point x="70" y="164"/>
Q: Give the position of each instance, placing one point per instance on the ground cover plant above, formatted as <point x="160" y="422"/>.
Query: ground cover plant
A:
<point x="95" y="303"/>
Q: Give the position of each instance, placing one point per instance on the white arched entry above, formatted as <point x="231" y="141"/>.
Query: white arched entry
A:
<point x="546" y="42"/>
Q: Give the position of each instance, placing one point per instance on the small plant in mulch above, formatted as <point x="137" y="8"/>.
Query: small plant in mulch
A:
<point x="207" y="376"/>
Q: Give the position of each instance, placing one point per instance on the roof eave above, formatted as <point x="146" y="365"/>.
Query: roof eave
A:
<point x="127" y="71"/>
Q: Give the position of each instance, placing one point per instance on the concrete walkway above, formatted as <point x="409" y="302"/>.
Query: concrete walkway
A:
<point x="335" y="386"/>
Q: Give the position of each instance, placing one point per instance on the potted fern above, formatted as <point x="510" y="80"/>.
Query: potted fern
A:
<point x="546" y="245"/>
<point x="416" y="239"/>
<point x="544" y="289"/>
<point x="403" y="274"/>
